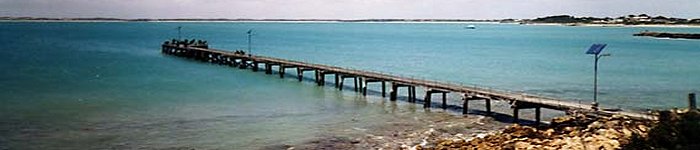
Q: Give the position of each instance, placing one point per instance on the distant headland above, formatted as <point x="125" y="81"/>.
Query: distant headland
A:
<point x="641" y="19"/>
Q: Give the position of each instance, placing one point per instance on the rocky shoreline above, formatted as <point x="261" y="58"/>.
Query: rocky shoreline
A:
<point x="404" y="133"/>
<point x="676" y="129"/>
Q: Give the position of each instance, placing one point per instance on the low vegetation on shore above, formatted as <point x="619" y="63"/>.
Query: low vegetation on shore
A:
<point x="669" y="35"/>
<point x="642" y="19"/>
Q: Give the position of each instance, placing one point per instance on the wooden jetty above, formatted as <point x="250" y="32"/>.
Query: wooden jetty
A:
<point x="361" y="79"/>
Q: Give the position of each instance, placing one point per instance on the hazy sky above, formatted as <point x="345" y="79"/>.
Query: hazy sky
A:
<point x="345" y="9"/>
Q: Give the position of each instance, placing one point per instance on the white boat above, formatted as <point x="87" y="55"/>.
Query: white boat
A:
<point x="470" y="27"/>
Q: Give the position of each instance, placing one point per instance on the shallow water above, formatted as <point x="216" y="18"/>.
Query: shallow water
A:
<point x="106" y="85"/>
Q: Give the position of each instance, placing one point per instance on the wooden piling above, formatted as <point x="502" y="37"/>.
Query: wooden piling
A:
<point x="515" y="115"/>
<point x="409" y="90"/>
<point x="465" y="104"/>
<point x="337" y="80"/>
<point x="255" y="66"/>
<point x="444" y="100"/>
<point x="537" y="115"/>
<point x="321" y="78"/>
<point x="300" y="74"/>
<point x="383" y="88"/>
<point x="355" y="80"/>
<point x="488" y="106"/>
<point x="243" y="64"/>
<point x="426" y="101"/>
<point x="393" y="92"/>
<point x="340" y="85"/>
<point x="281" y="71"/>
<point x="360" y="81"/>
<point x="364" y="88"/>
<point x="268" y="68"/>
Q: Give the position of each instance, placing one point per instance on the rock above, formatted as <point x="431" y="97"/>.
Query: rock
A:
<point x="570" y="132"/>
<point x="612" y="124"/>
<point x="481" y="135"/>
<point x="524" y="132"/>
<point x="627" y="133"/>
<point x="522" y="145"/>
<point x="563" y="120"/>
<point x="612" y="134"/>
<point x="548" y="132"/>
<point x="643" y="128"/>
<point x="595" y="125"/>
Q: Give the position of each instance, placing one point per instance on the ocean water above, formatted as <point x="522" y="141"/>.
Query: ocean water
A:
<point x="106" y="85"/>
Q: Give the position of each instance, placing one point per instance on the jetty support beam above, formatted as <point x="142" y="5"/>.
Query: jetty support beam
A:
<point x="395" y="90"/>
<point x="321" y="81"/>
<point x="255" y="66"/>
<point x="268" y="67"/>
<point x="300" y="72"/>
<point x="465" y="105"/>
<point x="342" y="79"/>
<point x="516" y="106"/>
<point x="428" y="96"/>
<point x="243" y="64"/>
<point x="370" y="80"/>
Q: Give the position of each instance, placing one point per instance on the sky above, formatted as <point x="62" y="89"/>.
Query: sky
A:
<point x="346" y="9"/>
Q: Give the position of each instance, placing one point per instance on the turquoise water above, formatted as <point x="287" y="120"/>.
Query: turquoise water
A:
<point x="106" y="85"/>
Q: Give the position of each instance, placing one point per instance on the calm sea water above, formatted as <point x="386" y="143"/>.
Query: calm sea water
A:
<point x="106" y="85"/>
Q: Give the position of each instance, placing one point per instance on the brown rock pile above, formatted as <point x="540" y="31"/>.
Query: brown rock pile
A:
<point x="676" y="129"/>
<point x="570" y="132"/>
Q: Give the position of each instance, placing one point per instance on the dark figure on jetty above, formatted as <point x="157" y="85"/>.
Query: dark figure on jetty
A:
<point x="240" y="52"/>
<point x="189" y="43"/>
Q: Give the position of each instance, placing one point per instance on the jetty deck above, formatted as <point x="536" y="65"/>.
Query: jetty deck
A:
<point x="362" y="78"/>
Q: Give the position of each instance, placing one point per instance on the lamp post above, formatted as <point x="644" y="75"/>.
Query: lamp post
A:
<point x="250" y="34"/>
<point x="179" y="33"/>
<point x="595" y="50"/>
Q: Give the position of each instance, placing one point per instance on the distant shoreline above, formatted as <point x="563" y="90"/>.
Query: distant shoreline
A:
<point x="397" y="22"/>
<point x="618" y="25"/>
<point x="30" y="19"/>
<point x="488" y="21"/>
<point x="431" y="22"/>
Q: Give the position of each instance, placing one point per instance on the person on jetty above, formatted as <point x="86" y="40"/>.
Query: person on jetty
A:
<point x="186" y="42"/>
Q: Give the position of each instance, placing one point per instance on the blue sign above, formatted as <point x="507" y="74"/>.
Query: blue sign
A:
<point x="596" y="49"/>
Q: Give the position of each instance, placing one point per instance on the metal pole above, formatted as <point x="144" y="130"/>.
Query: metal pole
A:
<point x="595" y="80"/>
<point x="250" y="33"/>
<point x="179" y="33"/>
